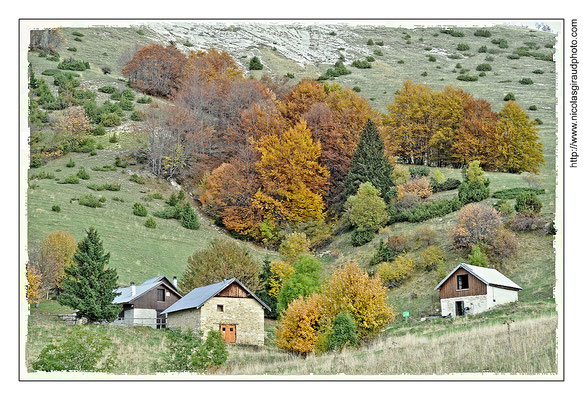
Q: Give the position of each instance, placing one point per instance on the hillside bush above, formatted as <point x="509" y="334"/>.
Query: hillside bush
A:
<point x="509" y="96"/>
<point x="255" y="64"/>
<point x="430" y="258"/>
<point x="82" y="174"/>
<point x="515" y="192"/>
<point x="189" y="218"/>
<point x="418" y="171"/>
<point x="477" y="258"/>
<point x="463" y="47"/>
<point x="187" y="351"/>
<point x="343" y="333"/>
<point x="448" y="184"/>
<point x="419" y="186"/>
<point x="467" y="78"/>
<point x="399" y="242"/>
<point x="112" y="187"/>
<point x="538" y="71"/>
<point x="426" y="211"/>
<point x="82" y="349"/>
<point x="140" y="210"/>
<point x="407" y="201"/>
<point x="527" y="201"/>
<point x="71" y="180"/>
<point x="107" y="89"/>
<point x="475" y="224"/>
<point x="484" y="67"/>
<point x="504" y="245"/>
<point x="425" y="236"/>
<point x="394" y="273"/>
<point x="137" y="179"/>
<point x="513" y="56"/>
<point x="293" y="245"/>
<point x="56" y="208"/>
<point x="383" y="253"/>
<point x="110" y="120"/>
<point x="378" y="52"/>
<point x="304" y="281"/>
<point x="525" y="222"/>
<point x="370" y="59"/>
<point x="533" y="108"/>
<point x="150" y="223"/>
<point x="361" y="64"/>
<point x="483" y="33"/>
<point x="359" y="238"/>
<point x="299" y="328"/>
<point x="144" y="100"/>
<point x="526" y="81"/>
<point x="452" y="32"/>
<point x="483" y="49"/>
<point x="73" y="65"/>
<point x="89" y="200"/>
<point x="366" y="210"/>
<point x="502" y="43"/>
<point x="401" y="174"/>
<point x="472" y="192"/>
<point x="431" y="58"/>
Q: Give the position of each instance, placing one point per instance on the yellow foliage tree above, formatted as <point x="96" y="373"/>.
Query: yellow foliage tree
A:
<point x="395" y="272"/>
<point x="293" y="245"/>
<point x="299" y="327"/>
<point x="280" y="271"/>
<point x="57" y="253"/>
<point x="34" y="285"/>
<point x="292" y="179"/>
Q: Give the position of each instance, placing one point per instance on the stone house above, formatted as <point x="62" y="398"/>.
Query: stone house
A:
<point x="143" y="304"/>
<point x="227" y="306"/>
<point x="471" y="290"/>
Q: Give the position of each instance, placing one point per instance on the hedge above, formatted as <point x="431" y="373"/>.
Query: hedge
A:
<point x="426" y="211"/>
<point x="515" y="192"/>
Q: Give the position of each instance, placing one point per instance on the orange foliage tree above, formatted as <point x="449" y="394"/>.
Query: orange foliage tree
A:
<point x="74" y="120"/>
<point x="34" y="285"/>
<point x="156" y="70"/>
<point x="56" y="254"/>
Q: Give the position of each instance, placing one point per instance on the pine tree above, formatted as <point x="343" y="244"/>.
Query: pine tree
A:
<point x="189" y="217"/>
<point x="369" y="164"/>
<point x="89" y="286"/>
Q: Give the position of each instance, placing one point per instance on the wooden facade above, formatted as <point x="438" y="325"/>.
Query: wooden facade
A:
<point x="234" y="290"/>
<point x="149" y="300"/>
<point x="449" y="288"/>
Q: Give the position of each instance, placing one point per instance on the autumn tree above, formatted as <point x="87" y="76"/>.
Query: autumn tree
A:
<point x="52" y="258"/>
<point x="366" y="210"/>
<point x="279" y="272"/>
<point x="370" y="164"/>
<point x="300" y="99"/>
<point x="156" y="70"/>
<point x="518" y="145"/>
<point x="291" y="178"/>
<point x="89" y="285"/>
<point x="475" y="224"/>
<point x="222" y="259"/>
<point x="299" y="327"/>
<point x="74" y="120"/>
<point x="33" y="285"/>
<point x="293" y="245"/>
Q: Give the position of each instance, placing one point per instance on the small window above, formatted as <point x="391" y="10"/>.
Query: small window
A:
<point x="161" y="296"/>
<point x="462" y="282"/>
<point x="231" y="329"/>
<point x="224" y="328"/>
<point x="220" y="308"/>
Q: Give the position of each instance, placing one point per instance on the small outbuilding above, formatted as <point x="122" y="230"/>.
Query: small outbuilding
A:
<point x="227" y="306"/>
<point x="471" y="290"/>
<point x="143" y="304"/>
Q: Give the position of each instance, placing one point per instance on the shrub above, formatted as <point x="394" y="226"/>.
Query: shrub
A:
<point x="384" y="253"/>
<point x="425" y="235"/>
<point x="394" y="273"/>
<point x="138" y="179"/>
<point x="551" y="229"/>
<point x="189" y="218"/>
<point x="463" y="47"/>
<point x="71" y="180"/>
<point x="504" y="245"/>
<point x="136" y="116"/>
<point x="106" y="186"/>
<point x="366" y="210"/>
<point x="356" y="89"/>
<point x="483" y="49"/>
<point x="304" y="281"/>
<point x="370" y="59"/>
<point x="472" y="192"/>
<point x="398" y="242"/>
<point x="526" y="221"/>
<point x="515" y="192"/>
<point x="532" y="108"/>
<point x="104" y="168"/>
<point x="509" y="96"/>
<point x="538" y="71"/>
<point x="188" y="351"/>
<point x="467" y="78"/>
<point x="502" y="43"/>
<point x="144" y="100"/>
<point x="114" y="138"/>
<point x="426" y="211"/>
<point x="484" y="67"/>
<point x="89" y="200"/>
<point x="361" y="64"/>
<point x="41" y="175"/>
<point x="452" y="32"/>
<point x="483" y="33"/>
<point x="358" y="237"/>
<point x="526" y="81"/>
<point x="370" y="42"/>
<point x="72" y="49"/>
<point x="407" y="201"/>
<point x="538" y="121"/>
<point x="150" y="223"/>
<point x="449" y="184"/>
<point x="83" y="349"/>
<point x="527" y="201"/>
<point x="343" y="333"/>
<point x="140" y="210"/>
<point x="110" y="119"/>
<point x="255" y="64"/>
<point x="401" y="174"/>
<point x="401" y="62"/>
<point x="419" y="171"/>
<point x="419" y="186"/>
<point x="432" y="58"/>
<point x="126" y="105"/>
<point x="107" y="89"/>
<point x="293" y="245"/>
<point x="378" y="52"/>
<point x="424" y="73"/>
<point x="298" y="329"/>
<point x="56" y="208"/>
<point x="430" y="258"/>
<point x="82" y="174"/>
<point x="504" y="207"/>
<point x="513" y="56"/>
<point x="73" y="65"/>
<point x="476" y="223"/>
<point x="477" y="258"/>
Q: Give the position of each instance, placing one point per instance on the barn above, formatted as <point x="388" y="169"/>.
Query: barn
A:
<point x="227" y="306"/>
<point x="143" y="304"/>
<point x="468" y="289"/>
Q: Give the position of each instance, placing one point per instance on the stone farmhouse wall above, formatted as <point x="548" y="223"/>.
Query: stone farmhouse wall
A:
<point x="185" y="319"/>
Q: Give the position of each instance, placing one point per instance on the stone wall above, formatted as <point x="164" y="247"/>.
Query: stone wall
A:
<point x="245" y="313"/>
<point x="476" y="304"/>
<point x="185" y="319"/>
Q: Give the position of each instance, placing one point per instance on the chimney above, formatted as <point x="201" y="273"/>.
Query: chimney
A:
<point x="133" y="286"/>
<point x="175" y="281"/>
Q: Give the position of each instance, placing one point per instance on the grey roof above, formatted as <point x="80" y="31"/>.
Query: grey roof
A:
<point x="125" y="293"/>
<point x="489" y="276"/>
<point x="197" y="297"/>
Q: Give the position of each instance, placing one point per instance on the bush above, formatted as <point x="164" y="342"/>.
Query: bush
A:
<point x="73" y="49"/>
<point x="467" y="78"/>
<point x="425" y="235"/>
<point x="88" y="200"/>
<point x="189" y="218"/>
<point x="110" y="119"/>
<point x="484" y="67"/>
<point x="361" y="64"/>
<point x="538" y="121"/>
<point x="384" y="253"/>
<point x="526" y="81"/>
<point x="140" y="210"/>
<point x="526" y="221"/>
<point x="432" y="58"/>
<point x="533" y="108"/>
<point x="394" y="273"/>
<point x="407" y="201"/>
<point x="502" y="43"/>
<point x="538" y="71"/>
<point x="255" y="64"/>
<point x="472" y="192"/>
<point x="398" y="242"/>
<point x="515" y="192"/>
<point x="150" y="223"/>
<point x="106" y="186"/>
<point x="504" y="207"/>
<point x="71" y="180"/>
<point x="73" y="65"/>
<point x="82" y="174"/>
<point x="419" y="186"/>
<point x="293" y="245"/>
<point x="452" y="32"/>
<point x="188" y="351"/>
<point x="138" y="179"/>
<point x="126" y="104"/>
<point x="107" y="89"/>
<point x="483" y="33"/>
<point x="401" y="62"/>
<point x="509" y="96"/>
<point x="448" y="184"/>
<point x="426" y="211"/>
<point x="504" y="245"/>
<point x="359" y="238"/>
<point x="304" y="281"/>
<point x="430" y="258"/>
<point x="370" y="59"/>
<point x="366" y="210"/>
<point x="463" y="47"/>
<point x="483" y="49"/>
<point x="83" y="349"/>
<point x="56" y="208"/>
<point x="528" y="202"/>
<point x="401" y="174"/>
<point x="114" y="138"/>
<point x="477" y="258"/>
<point x="144" y="100"/>
<point x="513" y="56"/>
<point x="475" y="224"/>
<point x="419" y="171"/>
<point x="378" y="52"/>
<point x="136" y="116"/>
<point x="356" y="89"/>
<point x="343" y="333"/>
<point x="298" y="329"/>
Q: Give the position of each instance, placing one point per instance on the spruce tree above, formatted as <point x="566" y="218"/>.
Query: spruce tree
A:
<point x="369" y="164"/>
<point x="89" y="286"/>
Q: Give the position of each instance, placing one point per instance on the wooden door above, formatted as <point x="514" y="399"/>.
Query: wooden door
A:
<point x="459" y="308"/>
<point x="229" y="333"/>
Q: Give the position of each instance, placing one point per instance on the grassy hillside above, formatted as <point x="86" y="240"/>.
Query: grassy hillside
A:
<point x="137" y="252"/>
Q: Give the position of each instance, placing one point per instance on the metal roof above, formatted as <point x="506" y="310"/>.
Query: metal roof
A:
<point x="125" y="293"/>
<point x="489" y="276"/>
<point x="197" y="297"/>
